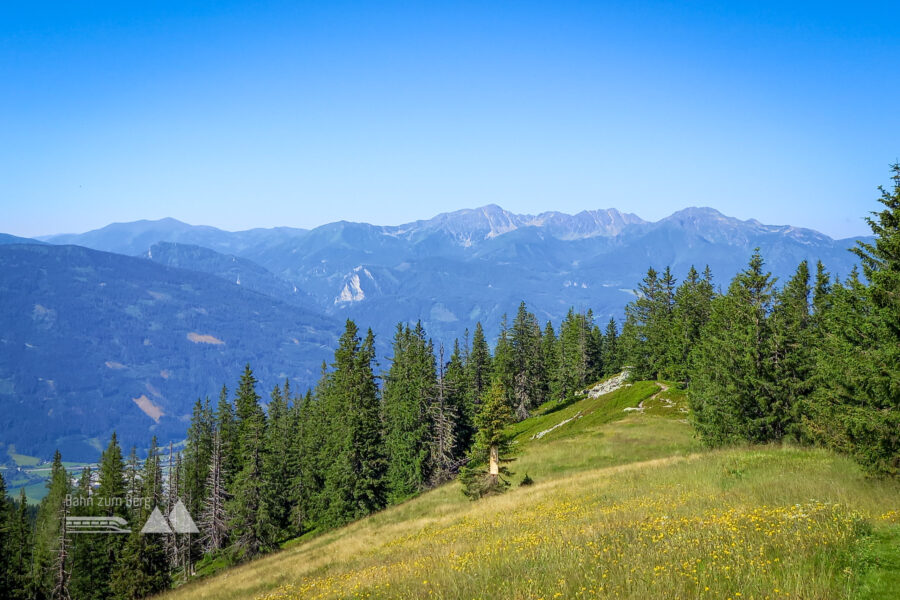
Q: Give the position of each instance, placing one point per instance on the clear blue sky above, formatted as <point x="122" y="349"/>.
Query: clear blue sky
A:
<point x="249" y="114"/>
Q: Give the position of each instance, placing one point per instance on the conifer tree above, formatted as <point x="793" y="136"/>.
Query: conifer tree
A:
<point x="550" y="356"/>
<point x="197" y="456"/>
<point x="503" y="362"/>
<point x="456" y="387"/>
<point x="86" y="548"/>
<point x="250" y="519"/>
<point x="354" y="464"/>
<point x="277" y="460"/>
<point x="792" y="353"/>
<point x="228" y="434"/>
<point x="142" y="568"/>
<point x="308" y="474"/>
<point x="485" y="472"/>
<point x="612" y="361"/>
<point x="856" y="407"/>
<point x="47" y="528"/>
<point x="408" y="387"/>
<point x="6" y="587"/>
<point x="20" y="543"/>
<point x="732" y="391"/>
<point x="110" y="501"/>
<point x="690" y="313"/>
<point x="526" y="363"/>
<point x="573" y="354"/>
<point x="478" y="367"/>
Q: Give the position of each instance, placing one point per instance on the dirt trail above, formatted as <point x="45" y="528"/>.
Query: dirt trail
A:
<point x="662" y="388"/>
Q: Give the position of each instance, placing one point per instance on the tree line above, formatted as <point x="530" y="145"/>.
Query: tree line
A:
<point x="253" y="474"/>
<point x="815" y="361"/>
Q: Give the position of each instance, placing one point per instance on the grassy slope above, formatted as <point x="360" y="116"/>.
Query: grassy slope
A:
<point x="622" y="507"/>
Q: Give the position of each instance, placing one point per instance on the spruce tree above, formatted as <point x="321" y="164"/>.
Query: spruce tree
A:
<point x="485" y="473"/>
<point x="550" y="356"/>
<point x="478" y="367"/>
<point x="47" y="528"/>
<point x="143" y="568"/>
<point x="250" y="520"/>
<point x="354" y="456"/>
<point x="277" y="460"/>
<point x="528" y="379"/>
<point x="456" y="387"/>
<point x="408" y="387"/>
<point x="20" y="541"/>
<point x="228" y="433"/>
<point x="856" y="406"/>
<point x="732" y="382"/>
<point x="86" y="548"/>
<point x="612" y="361"/>
<point x="6" y="588"/>
<point x="793" y="359"/>
<point x="690" y="313"/>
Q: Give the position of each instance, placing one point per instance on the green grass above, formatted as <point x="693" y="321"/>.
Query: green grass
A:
<point x="624" y="505"/>
<point x="878" y="559"/>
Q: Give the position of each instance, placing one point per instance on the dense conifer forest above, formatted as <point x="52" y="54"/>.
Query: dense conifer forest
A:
<point x="813" y="360"/>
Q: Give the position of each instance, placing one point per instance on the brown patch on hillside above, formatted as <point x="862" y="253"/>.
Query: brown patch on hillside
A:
<point x="204" y="338"/>
<point x="150" y="409"/>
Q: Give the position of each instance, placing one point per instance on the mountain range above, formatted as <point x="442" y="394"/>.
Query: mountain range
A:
<point x="122" y="328"/>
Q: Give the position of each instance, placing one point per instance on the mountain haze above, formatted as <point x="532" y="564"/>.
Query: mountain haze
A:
<point x="277" y="297"/>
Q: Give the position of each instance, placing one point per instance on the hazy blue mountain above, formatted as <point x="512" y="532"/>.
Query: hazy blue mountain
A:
<point x="84" y="333"/>
<point x="138" y="236"/>
<point x="6" y="238"/>
<point x="93" y="342"/>
<point x="476" y="264"/>
<point x="240" y="271"/>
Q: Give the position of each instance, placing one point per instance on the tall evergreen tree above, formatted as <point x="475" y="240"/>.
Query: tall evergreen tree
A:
<point x="47" y="528"/>
<point x="550" y="358"/>
<point x="792" y="353"/>
<point x="485" y="473"/>
<point x="478" y="367"/>
<point x="528" y="379"/>
<point x="354" y="476"/>
<point x="612" y="361"/>
<point x="732" y="391"/>
<point x="226" y="425"/>
<point x="408" y="387"/>
<point x="250" y="518"/>
<point x="456" y="387"/>
<point x="573" y="359"/>
<point x="6" y="580"/>
<point x="20" y="541"/>
<point x="857" y="402"/>
<point x="692" y="305"/>
<point x="276" y="462"/>
<point x="142" y="568"/>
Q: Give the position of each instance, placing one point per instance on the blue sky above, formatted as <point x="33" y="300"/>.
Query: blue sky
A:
<point x="258" y="114"/>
